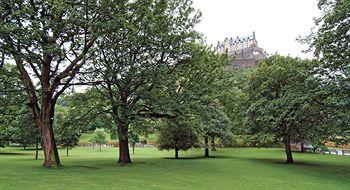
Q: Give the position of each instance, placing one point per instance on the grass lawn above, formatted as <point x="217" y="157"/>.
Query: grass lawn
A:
<point x="246" y="169"/>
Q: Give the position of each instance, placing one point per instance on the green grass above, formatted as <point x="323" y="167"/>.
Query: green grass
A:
<point x="229" y="169"/>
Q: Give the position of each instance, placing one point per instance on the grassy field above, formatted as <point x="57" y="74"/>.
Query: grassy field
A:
<point x="228" y="169"/>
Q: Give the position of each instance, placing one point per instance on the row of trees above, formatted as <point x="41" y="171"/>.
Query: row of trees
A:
<point x="135" y="54"/>
<point x="145" y="63"/>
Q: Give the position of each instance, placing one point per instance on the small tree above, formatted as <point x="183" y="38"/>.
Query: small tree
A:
<point x="67" y="134"/>
<point x="134" y="138"/>
<point x="99" y="137"/>
<point x="178" y="134"/>
<point x="23" y="130"/>
<point x="16" y="122"/>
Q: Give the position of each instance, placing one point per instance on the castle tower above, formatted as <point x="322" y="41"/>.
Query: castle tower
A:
<point x="244" y="50"/>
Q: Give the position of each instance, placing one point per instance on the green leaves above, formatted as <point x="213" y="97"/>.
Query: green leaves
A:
<point x="282" y="92"/>
<point x="99" y="137"/>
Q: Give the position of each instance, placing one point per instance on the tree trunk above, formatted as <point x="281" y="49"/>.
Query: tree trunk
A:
<point x="176" y="153"/>
<point x="100" y="146"/>
<point x="213" y="148"/>
<point x="48" y="141"/>
<point x="302" y="149"/>
<point x="206" y="140"/>
<point x="124" y="154"/>
<point x="67" y="150"/>
<point x="288" y="149"/>
<point x="36" y="150"/>
<point x="133" y="148"/>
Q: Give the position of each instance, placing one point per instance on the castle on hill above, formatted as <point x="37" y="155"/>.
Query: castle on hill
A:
<point x="244" y="50"/>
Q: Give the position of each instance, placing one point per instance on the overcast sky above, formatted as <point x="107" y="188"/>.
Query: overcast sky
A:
<point x="277" y="23"/>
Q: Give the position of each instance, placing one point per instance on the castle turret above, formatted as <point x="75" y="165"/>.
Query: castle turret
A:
<point x="244" y="49"/>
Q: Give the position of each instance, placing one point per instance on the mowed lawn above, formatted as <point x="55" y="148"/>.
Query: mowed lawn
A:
<point x="243" y="168"/>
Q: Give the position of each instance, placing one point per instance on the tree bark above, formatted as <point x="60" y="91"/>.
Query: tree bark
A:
<point x="124" y="154"/>
<point x="36" y="150"/>
<point x="176" y="153"/>
<point x="45" y="122"/>
<point x="206" y="140"/>
<point x="213" y="148"/>
<point x="288" y="150"/>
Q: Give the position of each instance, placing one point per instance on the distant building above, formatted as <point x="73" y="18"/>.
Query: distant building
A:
<point x="244" y="51"/>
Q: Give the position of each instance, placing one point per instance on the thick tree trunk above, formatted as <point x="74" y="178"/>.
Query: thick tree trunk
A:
<point x="36" y="150"/>
<point x="213" y="148"/>
<point x="42" y="112"/>
<point x="124" y="154"/>
<point x="206" y="141"/>
<point x="176" y="153"/>
<point x="288" y="149"/>
<point x="48" y="141"/>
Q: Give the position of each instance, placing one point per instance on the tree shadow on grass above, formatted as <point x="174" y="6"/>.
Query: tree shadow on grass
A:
<point x="84" y="167"/>
<point x="302" y="162"/>
<point x="13" y="153"/>
<point x="197" y="157"/>
<point x="320" y="168"/>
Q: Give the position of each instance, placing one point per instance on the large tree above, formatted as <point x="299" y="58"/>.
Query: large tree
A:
<point x="135" y="59"/>
<point x="194" y="89"/>
<point x="330" y="42"/>
<point x="282" y="92"/>
<point x="331" y="39"/>
<point x="49" y="41"/>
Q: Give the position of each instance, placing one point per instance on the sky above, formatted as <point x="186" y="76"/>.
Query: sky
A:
<point x="277" y="23"/>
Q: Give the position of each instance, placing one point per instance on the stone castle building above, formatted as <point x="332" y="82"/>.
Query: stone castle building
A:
<point x="244" y="51"/>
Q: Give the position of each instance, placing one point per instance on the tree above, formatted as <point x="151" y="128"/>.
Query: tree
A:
<point x="140" y="126"/>
<point x="99" y="137"/>
<point x="134" y="138"/>
<point x="16" y="122"/>
<point x="135" y="59"/>
<point x="216" y="124"/>
<point x="23" y="130"/>
<point x="282" y="91"/>
<point x="194" y="90"/>
<point x="49" y="42"/>
<point x="178" y="134"/>
<point x="10" y="96"/>
<point x="67" y="131"/>
<point x="330" y="41"/>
